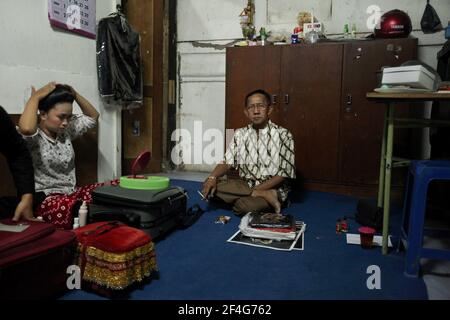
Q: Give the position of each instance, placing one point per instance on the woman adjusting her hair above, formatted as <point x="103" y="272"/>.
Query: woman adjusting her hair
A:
<point x="49" y="126"/>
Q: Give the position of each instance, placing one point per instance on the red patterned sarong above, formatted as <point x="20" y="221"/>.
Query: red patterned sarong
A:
<point x="57" y="208"/>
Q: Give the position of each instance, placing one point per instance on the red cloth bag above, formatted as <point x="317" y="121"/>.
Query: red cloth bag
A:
<point x="114" y="256"/>
<point x="33" y="263"/>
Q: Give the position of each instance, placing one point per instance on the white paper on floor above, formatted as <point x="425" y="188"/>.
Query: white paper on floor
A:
<point x="377" y="240"/>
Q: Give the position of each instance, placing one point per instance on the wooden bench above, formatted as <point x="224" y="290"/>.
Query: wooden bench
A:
<point x="86" y="157"/>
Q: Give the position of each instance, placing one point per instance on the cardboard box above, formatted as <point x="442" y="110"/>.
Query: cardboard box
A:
<point x="412" y="76"/>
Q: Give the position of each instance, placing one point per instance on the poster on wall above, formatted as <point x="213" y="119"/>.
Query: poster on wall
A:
<point x="74" y="15"/>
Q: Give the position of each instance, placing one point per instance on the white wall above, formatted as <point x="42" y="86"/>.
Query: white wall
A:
<point x="32" y="53"/>
<point x="205" y="25"/>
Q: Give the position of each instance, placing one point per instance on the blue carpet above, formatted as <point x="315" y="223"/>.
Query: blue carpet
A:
<point x="198" y="263"/>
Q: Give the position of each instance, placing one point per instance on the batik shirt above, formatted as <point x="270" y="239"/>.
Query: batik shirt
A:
<point x="259" y="157"/>
<point x="54" y="159"/>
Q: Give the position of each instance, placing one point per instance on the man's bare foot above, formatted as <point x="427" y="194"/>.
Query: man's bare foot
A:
<point x="270" y="196"/>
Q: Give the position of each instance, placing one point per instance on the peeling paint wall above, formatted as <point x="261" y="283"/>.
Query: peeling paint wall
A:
<point x="32" y="53"/>
<point x="205" y="27"/>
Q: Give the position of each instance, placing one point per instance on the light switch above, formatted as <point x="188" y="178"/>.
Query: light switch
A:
<point x="136" y="128"/>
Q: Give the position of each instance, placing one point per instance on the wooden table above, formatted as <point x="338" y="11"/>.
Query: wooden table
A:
<point x="387" y="161"/>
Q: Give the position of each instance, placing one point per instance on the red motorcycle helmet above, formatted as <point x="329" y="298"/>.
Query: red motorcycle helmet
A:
<point x="394" y="24"/>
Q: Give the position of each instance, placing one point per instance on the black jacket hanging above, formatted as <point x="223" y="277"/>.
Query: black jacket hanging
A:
<point x="119" y="61"/>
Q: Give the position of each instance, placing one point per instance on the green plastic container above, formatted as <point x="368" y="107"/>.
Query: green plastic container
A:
<point x="144" y="182"/>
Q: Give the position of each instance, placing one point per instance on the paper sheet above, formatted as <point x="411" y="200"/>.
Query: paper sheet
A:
<point x="377" y="240"/>
<point x="400" y="89"/>
<point x="13" y="228"/>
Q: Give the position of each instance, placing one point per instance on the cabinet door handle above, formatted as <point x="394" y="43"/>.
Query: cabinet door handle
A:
<point x="274" y="99"/>
<point x="286" y="99"/>
<point x="359" y="54"/>
<point x="349" y="99"/>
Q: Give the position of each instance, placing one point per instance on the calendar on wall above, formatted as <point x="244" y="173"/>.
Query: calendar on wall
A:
<point x="74" y="15"/>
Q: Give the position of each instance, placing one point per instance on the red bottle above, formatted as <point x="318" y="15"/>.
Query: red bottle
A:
<point x="344" y="225"/>
<point x="338" y="226"/>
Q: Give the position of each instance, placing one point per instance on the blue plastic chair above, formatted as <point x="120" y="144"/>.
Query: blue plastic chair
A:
<point x="421" y="173"/>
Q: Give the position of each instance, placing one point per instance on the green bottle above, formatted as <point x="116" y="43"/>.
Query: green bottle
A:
<point x="346" y="32"/>
<point x="354" y="31"/>
<point x="263" y="35"/>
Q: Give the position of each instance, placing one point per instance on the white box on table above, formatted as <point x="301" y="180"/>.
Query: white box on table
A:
<point x="413" y="76"/>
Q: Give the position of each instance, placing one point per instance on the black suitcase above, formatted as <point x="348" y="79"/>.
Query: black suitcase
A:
<point x="155" y="212"/>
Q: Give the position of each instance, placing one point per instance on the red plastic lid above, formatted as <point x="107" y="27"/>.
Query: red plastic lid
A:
<point x="140" y="162"/>
<point x="366" y="230"/>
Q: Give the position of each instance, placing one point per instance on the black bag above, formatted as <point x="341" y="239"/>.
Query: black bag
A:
<point x="119" y="61"/>
<point x="430" y="22"/>
<point x="155" y="212"/>
<point x="191" y="216"/>
<point x="369" y="214"/>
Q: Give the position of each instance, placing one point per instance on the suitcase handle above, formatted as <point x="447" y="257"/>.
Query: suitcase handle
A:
<point x="129" y="218"/>
<point x="104" y="228"/>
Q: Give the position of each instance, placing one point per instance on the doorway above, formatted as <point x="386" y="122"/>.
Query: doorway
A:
<point x="150" y="126"/>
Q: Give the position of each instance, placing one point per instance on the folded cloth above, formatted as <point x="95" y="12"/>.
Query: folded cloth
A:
<point x="113" y="255"/>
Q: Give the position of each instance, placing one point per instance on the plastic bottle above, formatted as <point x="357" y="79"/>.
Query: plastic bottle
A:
<point x="263" y="34"/>
<point x="82" y="214"/>
<point x="344" y="225"/>
<point x="338" y="226"/>
<point x="312" y="37"/>
<point x="354" y="31"/>
<point x="346" y="33"/>
<point x="76" y="223"/>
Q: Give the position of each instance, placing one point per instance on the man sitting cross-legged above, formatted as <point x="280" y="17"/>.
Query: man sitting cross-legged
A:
<point x="263" y="153"/>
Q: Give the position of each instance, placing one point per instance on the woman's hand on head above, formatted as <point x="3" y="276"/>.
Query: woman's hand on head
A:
<point x="44" y="91"/>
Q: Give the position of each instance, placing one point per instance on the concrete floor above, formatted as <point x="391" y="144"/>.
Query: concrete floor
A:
<point x="436" y="274"/>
